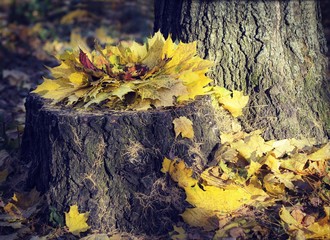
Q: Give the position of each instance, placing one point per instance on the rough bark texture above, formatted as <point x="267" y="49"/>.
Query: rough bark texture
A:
<point x="109" y="162"/>
<point x="273" y="50"/>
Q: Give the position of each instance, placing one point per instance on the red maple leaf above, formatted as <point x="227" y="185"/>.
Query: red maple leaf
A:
<point x="84" y="60"/>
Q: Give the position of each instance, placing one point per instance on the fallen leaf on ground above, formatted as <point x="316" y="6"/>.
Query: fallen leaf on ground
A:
<point x="75" y="221"/>
<point x="233" y="101"/>
<point x="26" y="199"/>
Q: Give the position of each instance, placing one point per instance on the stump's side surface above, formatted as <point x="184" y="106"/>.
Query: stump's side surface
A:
<point x="109" y="162"/>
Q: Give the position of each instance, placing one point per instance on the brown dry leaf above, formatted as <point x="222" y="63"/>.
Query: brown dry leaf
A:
<point x="315" y="230"/>
<point x="319" y="168"/>
<point x="308" y="220"/>
<point x="212" y="176"/>
<point x="178" y="233"/>
<point x="75" y="15"/>
<point x="3" y="175"/>
<point x="98" y="236"/>
<point x="13" y="210"/>
<point x="26" y="200"/>
<point x="298" y="215"/>
<point x="225" y="153"/>
<point x="236" y="229"/>
<point x="183" y="126"/>
<point x="200" y="217"/>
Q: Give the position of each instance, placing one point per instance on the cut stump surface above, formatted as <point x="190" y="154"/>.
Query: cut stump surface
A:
<point x="108" y="162"/>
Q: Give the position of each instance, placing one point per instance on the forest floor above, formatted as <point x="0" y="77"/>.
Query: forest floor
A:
<point x="31" y="31"/>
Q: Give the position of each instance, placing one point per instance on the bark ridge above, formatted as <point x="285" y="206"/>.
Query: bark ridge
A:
<point x="109" y="162"/>
<point x="273" y="50"/>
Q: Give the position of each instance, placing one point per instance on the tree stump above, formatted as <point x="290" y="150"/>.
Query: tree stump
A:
<point x="109" y="162"/>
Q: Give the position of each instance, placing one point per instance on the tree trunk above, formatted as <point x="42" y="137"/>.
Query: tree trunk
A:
<point x="273" y="50"/>
<point x="109" y="162"/>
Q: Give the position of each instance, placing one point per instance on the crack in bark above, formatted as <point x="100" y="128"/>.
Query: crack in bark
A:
<point x="273" y="47"/>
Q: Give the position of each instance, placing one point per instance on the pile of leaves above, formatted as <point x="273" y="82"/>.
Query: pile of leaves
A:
<point x="129" y="76"/>
<point x="256" y="189"/>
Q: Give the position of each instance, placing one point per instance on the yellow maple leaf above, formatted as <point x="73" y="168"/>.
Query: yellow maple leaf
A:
<point x="253" y="168"/>
<point x="182" y="175"/>
<point x="290" y="146"/>
<point x="273" y="163"/>
<point x="295" y="163"/>
<point x="47" y="85"/>
<point x="233" y="101"/>
<point x="195" y="83"/>
<point x="64" y="69"/>
<point x="166" y="165"/>
<point x="78" y="78"/>
<point x="282" y="147"/>
<point x="287" y="178"/>
<point x="273" y="185"/>
<point x="321" y="154"/>
<point x="75" y="221"/>
<point x="231" y="137"/>
<point x="288" y="220"/>
<point x="252" y="143"/>
<point x="155" y="48"/>
<point x="224" y="200"/>
<point x="169" y="48"/>
<point x="122" y="90"/>
<point x="183" y="126"/>
<point x="209" y="201"/>
<point x="101" y="34"/>
<point x="321" y="228"/>
<point x="301" y="143"/>
<point x="178" y="172"/>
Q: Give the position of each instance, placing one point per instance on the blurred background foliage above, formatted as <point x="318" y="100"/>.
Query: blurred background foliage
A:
<point x="32" y="32"/>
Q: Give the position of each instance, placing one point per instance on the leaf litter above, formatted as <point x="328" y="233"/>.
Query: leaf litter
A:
<point x="258" y="189"/>
<point x="288" y="177"/>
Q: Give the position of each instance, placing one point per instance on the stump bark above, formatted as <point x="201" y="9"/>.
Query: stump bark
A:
<point x="109" y="162"/>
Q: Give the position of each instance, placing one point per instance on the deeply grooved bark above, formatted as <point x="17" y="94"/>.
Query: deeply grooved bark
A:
<point x="272" y="50"/>
<point x="109" y="162"/>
